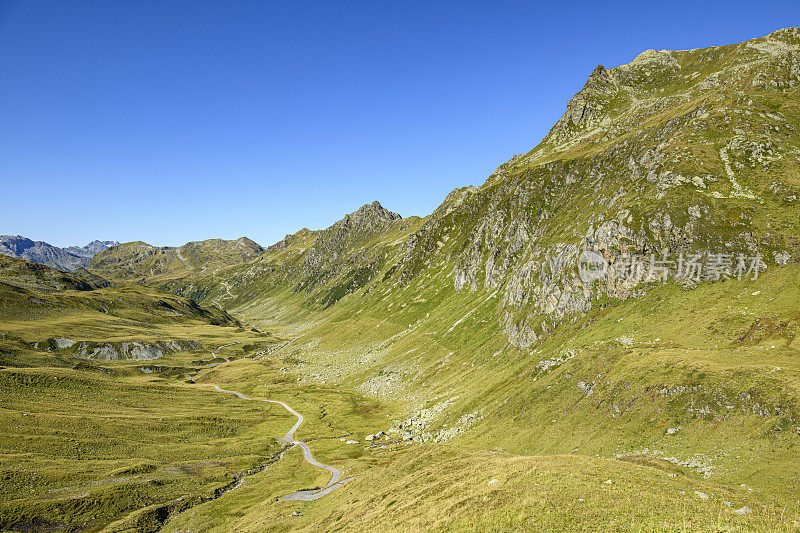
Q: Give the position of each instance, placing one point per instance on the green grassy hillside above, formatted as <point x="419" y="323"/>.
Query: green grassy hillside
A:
<point x="29" y="275"/>
<point x="452" y="489"/>
<point x="134" y="261"/>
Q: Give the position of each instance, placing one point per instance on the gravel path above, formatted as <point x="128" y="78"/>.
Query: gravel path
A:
<point x="336" y="474"/>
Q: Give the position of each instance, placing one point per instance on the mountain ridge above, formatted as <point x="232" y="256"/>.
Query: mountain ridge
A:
<point x="137" y="259"/>
<point x="69" y="259"/>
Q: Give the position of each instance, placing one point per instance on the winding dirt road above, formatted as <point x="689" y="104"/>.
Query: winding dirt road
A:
<point x="336" y="474"/>
<point x="214" y="353"/>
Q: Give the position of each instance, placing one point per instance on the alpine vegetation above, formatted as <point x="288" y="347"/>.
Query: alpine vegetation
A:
<point x="602" y="336"/>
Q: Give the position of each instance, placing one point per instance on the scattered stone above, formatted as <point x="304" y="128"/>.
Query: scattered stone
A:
<point x="744" y="511"/>
<point x="547" y="364"/>
<point x="493" y="481"/>
<point x="626" y="340"/>
<point x="701" y="495"/>
<point x="782" y="258"/>
<point x="587" y="388"/>
<point x="672" y="431"/>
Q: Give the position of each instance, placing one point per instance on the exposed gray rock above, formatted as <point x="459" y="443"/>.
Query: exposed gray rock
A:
<point x="141" y="351"/>
<point x="62" y="343"/>
<point x="554" y="362"/>
<point x="106" y="351"/>
<point x="783" y="258"/>
<point x="135" y="351"/>
<point x="91" y="249"/>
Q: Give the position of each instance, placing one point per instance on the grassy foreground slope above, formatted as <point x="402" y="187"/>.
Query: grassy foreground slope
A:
<point x="100" y="433"/>
<point x="125" y="446"/>
<point x="90" y="437"/>
<point x="447" y="488"/>
<point x="686" y="400"/>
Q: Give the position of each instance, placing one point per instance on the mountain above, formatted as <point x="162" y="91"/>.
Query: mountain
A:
<point x="91" y="249"/>
<point x="324" y="264"/>
<point x="68" y="259"/>
<point x="685" y="152"/>
<point x="137" y="260"/>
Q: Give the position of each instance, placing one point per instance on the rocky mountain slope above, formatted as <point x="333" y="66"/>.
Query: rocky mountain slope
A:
<point x="325" y="265"/>
<point x="68" y="259"/>
<point x="676" y="153"/>
<point x="91" y="249"/>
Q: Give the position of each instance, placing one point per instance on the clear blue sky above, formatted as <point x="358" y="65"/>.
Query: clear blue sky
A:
<point x="173" y="121"/>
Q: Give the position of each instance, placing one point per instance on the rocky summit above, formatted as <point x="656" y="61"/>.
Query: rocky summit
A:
<point x="604" y="335"/>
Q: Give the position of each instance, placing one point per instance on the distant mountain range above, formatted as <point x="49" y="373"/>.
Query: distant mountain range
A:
<point x="69" y="259"/>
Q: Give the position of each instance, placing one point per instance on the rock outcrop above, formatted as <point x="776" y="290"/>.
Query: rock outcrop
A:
<point x="116" y="351"/>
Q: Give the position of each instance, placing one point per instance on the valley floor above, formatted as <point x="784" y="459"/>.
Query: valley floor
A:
<point x="653" y="414"/>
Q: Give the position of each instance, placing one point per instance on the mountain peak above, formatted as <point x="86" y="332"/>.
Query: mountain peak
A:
<point x="374" y="211"/>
